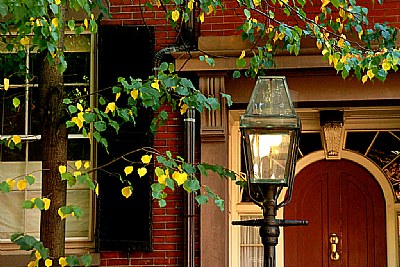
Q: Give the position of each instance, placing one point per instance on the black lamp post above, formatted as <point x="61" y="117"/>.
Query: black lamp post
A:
<point x="270" y="133"/>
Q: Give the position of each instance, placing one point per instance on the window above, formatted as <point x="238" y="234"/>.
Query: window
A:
<point x="24" y="122"/>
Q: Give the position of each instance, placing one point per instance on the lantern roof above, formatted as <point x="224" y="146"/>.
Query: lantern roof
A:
<point x="270" y="105"/>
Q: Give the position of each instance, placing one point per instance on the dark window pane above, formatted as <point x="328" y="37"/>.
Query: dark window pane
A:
<point x="384" y="149"/>
<point x="78" y="70"/>
<point x="310" y="142"/>
<point x="12" y="119"/>
<point x="359" y="141"/>
<point x="7" y="154"/>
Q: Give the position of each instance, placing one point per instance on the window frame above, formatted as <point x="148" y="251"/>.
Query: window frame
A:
<point x="74" y="245"/>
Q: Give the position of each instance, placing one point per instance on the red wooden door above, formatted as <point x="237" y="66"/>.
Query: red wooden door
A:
<point x="336" y="197"/>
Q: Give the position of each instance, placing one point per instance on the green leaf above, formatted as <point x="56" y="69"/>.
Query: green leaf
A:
<point x="16" y="102"/>
<point x="236" y="74"/>
<point x="28" y="204"/>
<point x="201" y="199"/>
<point x="247" y="13"/>
<point x="240" y="62"/>
<point x="220" y="203"/>
<point x="30" y="179"/>
<point x="164" y="66"/>
<point x="228" y="98"/>
<point x="170" y="183"/>
<point x="71" y="24"/>
<point x="89" y="117"/>
<point x="67" y="101"/>
<point x="102" y="101"/>
<point x="162" y="203"/>
<point x="4" y="187"/>
<point x="86" y="259"/>
<point x="39" y="203"/>
<point x="72" y="261"/>
<point x="191" y="185"/>
<point x="100" y="126"/>
<point x="72" y="109"/>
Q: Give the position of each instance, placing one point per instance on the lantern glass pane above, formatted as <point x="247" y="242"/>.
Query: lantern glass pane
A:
<point x="269" y="153"/>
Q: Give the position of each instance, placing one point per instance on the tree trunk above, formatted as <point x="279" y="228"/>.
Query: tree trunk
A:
<point x="54" y="153"/>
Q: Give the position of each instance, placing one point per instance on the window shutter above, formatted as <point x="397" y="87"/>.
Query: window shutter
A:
<point x="124" y="224"/>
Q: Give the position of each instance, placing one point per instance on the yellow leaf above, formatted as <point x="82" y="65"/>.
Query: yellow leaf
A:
<point x="184" y="108"/>
<point x="48" y="262"/>
<point x="111" y="106"/>
<point x="146" y="159"/>
<point x="126" y="191"/>
<point x="78" y="122"/>
<point x="37" y="255"/>
<point x="96" y="190"/>
<point x="117" y="95"/>
<point x="46" y="203"/>
<point x="360" y="34"/>
<point x="21" y="185"/>
<point x="370" y="74"/>
<point x="341" y="42"/>
<point x="201" y="17"/>
<point x="162" y="179"/>
<point x="142" y="171"/>
<point x="256" y="2"/>
<point x="155" y="84"/>
<point x="341" y="12"/>
<point x="386" y="65"/>
<point x="135" y="93"/>
<point x="78" y="164"/>
<point x="86" y="23"/>
<point x="16" y="139"/>
<point x="190" y="5"/>
<point x="79" y="106"/>
<point x="62" y="260"/>
<point x="324" y="3"/>
<point x="210" y="9"/>
<point x="11" y="183"/>
<point x="24" y="41"/>
<point x="319" y="45"/>
<point x="6" y="84"/>
<point x="31" y="264"/>
<point x="179" y="177"/>
<point x="62" y="169"/>
<point x="54" y="21"/>
<point x="86" y="165"/>
<point x="128" y="170"/>
<point x="243" y="54"/>
<point x="92" y="16"/>
<point x="61" y="214"/>
<point x="175" y="15"/>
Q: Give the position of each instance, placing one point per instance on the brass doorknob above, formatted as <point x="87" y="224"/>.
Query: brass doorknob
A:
<point x="334" y="240"/>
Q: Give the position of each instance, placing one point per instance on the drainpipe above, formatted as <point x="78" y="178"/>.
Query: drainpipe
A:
<point x="189" y="143"/>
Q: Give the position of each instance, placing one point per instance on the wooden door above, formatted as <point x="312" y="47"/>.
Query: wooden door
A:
<point x="338" y="197"/>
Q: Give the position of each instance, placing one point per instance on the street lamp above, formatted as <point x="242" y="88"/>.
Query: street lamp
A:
<point x="270" y="133"/>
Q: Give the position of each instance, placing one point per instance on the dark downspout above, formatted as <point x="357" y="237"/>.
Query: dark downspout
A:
<point x="189" y="143"/>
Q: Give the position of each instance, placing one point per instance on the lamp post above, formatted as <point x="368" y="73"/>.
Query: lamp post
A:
<point x="270" y="136"/>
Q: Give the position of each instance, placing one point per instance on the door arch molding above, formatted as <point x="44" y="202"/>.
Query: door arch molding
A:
<point x="392" y="208"/>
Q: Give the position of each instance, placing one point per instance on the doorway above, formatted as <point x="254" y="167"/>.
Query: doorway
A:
<point x="346" y="211"/>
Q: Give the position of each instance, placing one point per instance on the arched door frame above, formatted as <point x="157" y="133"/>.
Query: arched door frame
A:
<point x="392" y="208"/>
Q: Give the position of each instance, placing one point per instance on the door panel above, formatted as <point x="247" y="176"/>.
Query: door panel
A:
<point x="336" y="197"/>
